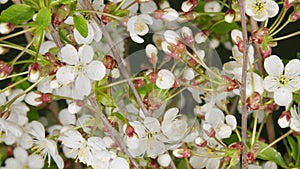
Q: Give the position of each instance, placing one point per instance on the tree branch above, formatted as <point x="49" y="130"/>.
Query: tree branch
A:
<point x="118" y="59"/>
<point x="243" y="85"/>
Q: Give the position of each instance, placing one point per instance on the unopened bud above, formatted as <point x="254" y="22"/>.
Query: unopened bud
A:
<point x="188" y="5"/>
<point x="253" y="102"/>
<point x="5" y="69"/>
<point x="182" y="153"/>
<point x="284" y="119"/>
<point x="37" y="98"/>
<point x="34" y="72"/>
<point x="6" y="28"/>
<point x="229" y="15"/>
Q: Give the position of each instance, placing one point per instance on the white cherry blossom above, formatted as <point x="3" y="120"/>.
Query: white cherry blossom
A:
<point x="165" y="79"/>
<point x="282" y="81"/>
<point x="80" y="69"/>
<point x="138" y="26"/>
<point x="46" y="146"/>
<point x="295" y="120"/>
<point x="260" y="10"/>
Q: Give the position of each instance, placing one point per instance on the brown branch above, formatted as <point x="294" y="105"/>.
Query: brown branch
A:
<point x="55" y="36"/>
<point x="113" y="133"/>
<point x="118" y="59"/>
<point x="243" y="85"/>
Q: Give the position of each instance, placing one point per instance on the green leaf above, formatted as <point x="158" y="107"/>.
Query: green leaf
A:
<point x="104" y="98"/>
<point x="271" y="154"/>
<point x="66" y="2"/>
<point x="119" y="116"/>
<point x="293" y="146"/>
<point x="224" y="27"/>
<point x="43" y="18"/>
<point x="17" y="14"/>
<point x="81" y="25"/>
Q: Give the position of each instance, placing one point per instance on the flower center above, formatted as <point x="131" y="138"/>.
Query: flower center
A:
<point x="258" y="6"/>
<point x="139" y="27"/>
<point x="283" y="80"/>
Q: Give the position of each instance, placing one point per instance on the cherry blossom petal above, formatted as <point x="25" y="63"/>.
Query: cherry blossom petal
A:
<point x="45" y="46"/>
<point x="86" y="54"/>
<point x="87" y="40"/>
<point x="236" y="35"/>
<point x="273" y="66"/>
<point x="95" y="70"/>
<point x="224" y="131"/>
<point x="165" y="79"/>
<point x="152" y="124"/>
<point x="272" y="8"/>
<point x="35" y="161"/>
<point x="164" y="160"/>
<point x="21" y="155"/>
<point x="36" y="129"/>
<point x="69" y="54"/>
<point x="231" y="121"/>
<point x="83" y="85"/>
<point x="65" y="75"/>
<point x="215" y="117"/>
<point x="295" y="120"/>
<point x="294" y="84"/>
<point x="136" y="38"/>
<point x="270" y="84"/>
<point x="119" y="163"/>
<point x="171" y="36"/>
<point x="292" y="68"/>
<point x="283" y="96"/>
<point x="66" y="118"/>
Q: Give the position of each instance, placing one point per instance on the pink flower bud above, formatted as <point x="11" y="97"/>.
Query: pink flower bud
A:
<point x="253" y="102"/>
<point x="6" y="27"/>
<point x="284" y="119"/>
<point x="229" y="15"/>
<point x="188" y="5"/>
<point x="37" y="98"/>
<point x="187" y="35"/>
<point x="5" y="69"/>
<point x="129" y="131"/>
<point x="288" y="3"/>
<point x="182" y="153"/>
<point x="200" y="142"/>
<point x="34" y="72"/>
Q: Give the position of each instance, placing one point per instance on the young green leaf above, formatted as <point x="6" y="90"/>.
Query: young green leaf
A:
<point x="81" y="25"/>
<point x="17" y="14"/>
<point x="271" y="154"/>
<point x="43" y="17"/>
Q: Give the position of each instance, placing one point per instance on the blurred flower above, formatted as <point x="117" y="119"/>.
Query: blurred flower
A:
<point x="137" y="25"/>
<point x="165" y="79"/>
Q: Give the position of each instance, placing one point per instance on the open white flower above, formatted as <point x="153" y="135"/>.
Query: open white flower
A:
<point x="80" y="69"/>
<point x="165" y="79"/>
<point x="46" y="147"/>
<point x="137" y="26"/>
<point x="260" y="10"/>
<point x="22" y="160"/>
<point x="282" y="84"/>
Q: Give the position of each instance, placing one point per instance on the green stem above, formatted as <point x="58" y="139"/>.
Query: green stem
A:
<point x="120" y="82"/>
<point x="261" y="126"/>
<point x="13" y="85"/>
<point x="101" y="13"/>
<point x="14" y="46"/>
<point x="22" y="52"/>
<point x="279" y="29"/>
<point x="287" y="36"/>
<point x="14" y="75"/>
<point x="254" y="127"/>
<point x="277" y="140"/>
<point x="16" y="34"/>
<point x="26" y="91"/>
<point x="120" y="5"/>
<point x="278" y="20"/>
<point x="175" y="94"/>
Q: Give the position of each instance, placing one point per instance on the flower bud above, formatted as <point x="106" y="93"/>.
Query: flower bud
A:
<point x="288" y="3"/>
<point x="209" y="130"/>
<point x="37" y="98"/>
<point x="60" y="15"/>
<point x="284" y="119"/>
<point x="250" y="157"/>
<point x="129" y="131"/>
<point x="294" y="16"/>
<point x="151" y="53"/>
<point x="200" y="142"/>
<point x="266" y="52"/>
<point x="109" y="62"/>
<point x="34" y="72"/>
<point x="253" y="102"/>
<point x="6" y="28"/>
<point x="5" y="69"/>
<point x="187" y="35"/>
<point x="138" y="83"/>
<point x="164" y="160"/>
<point x="182" y="153"/>
<point x="229" y="15"/>
<point x="188" y="5"/>
<point x="166" y="14"/>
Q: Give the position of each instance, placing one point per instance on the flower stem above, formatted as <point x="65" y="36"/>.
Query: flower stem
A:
<point x="278" y="20"/>
<point x="243" y="84"/>
<point x="279" y="29"/>
<point x="16" y="34"/>
<point x="102" y="13"/>
<point x="277" y="140"/>
<point x="14" y="75"/>
<point x="287" y="36"/>
<point x="254" y="127"/>
<point x="113" y="132"/>
<point x="21" y="53"/>
<point x="13" y="85"/>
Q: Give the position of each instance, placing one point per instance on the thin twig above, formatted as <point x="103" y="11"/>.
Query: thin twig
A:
<point x="118" y="59"/>
<point x="243" y="85"/>
<point x="55" y="36"/>
<point x="113" y="133"/>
